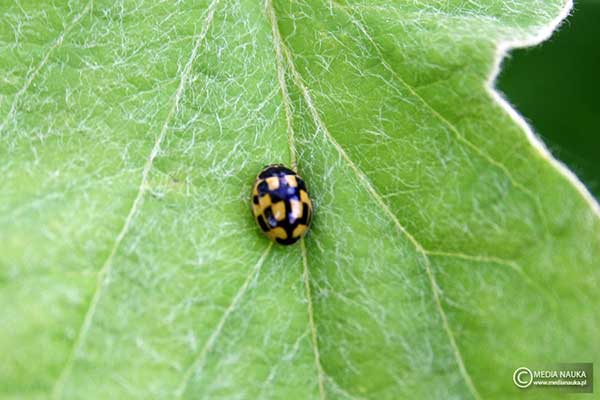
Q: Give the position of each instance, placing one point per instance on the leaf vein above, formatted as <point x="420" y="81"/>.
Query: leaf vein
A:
<point x="311" y="321"/>
<point x="278" y="45"/>
<point x="512" y="264"/>
<point x="103" y="277"/>
<point x="33" y="74"/>
<point x="461" y="138"/>
<point x="287" y="103"/>
<point x="198" y="362"/>
<point x="379" y="200"/>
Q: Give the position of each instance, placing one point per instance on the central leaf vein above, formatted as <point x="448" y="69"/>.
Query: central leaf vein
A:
<point x="298" y="81"/>
<point x="277" y="44"/>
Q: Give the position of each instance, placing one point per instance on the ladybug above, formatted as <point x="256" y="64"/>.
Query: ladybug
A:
<point x="280" y="204"/>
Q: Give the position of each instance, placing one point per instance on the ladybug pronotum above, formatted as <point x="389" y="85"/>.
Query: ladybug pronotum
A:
<point x="280" y="204"/>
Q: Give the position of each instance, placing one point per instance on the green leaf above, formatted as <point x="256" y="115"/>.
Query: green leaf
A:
<point x="448" y="248"/>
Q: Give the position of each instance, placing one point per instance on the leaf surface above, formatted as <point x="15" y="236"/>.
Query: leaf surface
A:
<point x="448" y="248"/>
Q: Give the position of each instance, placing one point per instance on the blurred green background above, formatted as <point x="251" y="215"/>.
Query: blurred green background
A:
<point x="556" y="87"/>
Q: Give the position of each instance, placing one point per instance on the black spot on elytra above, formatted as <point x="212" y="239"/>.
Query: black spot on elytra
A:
<point x="262" y="188"/>
<point x="289" y="240"/>
<point x="270" y="218"/>
<point x="262" y="223"/>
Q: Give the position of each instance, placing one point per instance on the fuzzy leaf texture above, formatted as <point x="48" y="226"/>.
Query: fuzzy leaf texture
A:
<point x="448" y="248"/>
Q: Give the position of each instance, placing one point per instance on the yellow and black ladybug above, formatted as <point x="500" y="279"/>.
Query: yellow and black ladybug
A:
<point x="280" y="204"/>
